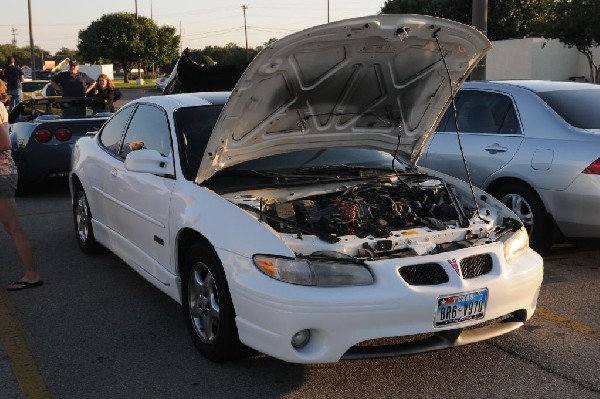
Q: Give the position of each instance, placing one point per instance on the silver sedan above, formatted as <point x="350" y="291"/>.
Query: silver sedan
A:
<point x="535" y="145"/>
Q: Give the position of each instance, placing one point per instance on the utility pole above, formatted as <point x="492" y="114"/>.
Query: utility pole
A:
<point x="14" y="35"/>
<point x="479" y="21"/>
<point x="244" y="8"/>
<point x="135" y="9"/>
<point x="327" y="11"/>
<point x="31" y="41"/>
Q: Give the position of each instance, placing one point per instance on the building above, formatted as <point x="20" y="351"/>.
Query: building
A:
<point x="537" y="58"/>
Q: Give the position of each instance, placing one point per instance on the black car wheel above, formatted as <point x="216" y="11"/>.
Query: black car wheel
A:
<point x="207" y="306"/>
<point x="525" y="202"/>
<point x="82" y="220"/>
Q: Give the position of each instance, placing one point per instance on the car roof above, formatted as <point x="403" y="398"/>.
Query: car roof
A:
<point x="174" y="101"/>
<point x="533" y="85"/>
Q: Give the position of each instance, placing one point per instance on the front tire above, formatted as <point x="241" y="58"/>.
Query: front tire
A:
<point x="524" y="201"/>
<point x="207" y="306"/>
<point x="82" y="220"/>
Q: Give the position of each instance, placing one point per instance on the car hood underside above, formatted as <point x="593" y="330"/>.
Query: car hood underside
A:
<point x="376" y="82"/>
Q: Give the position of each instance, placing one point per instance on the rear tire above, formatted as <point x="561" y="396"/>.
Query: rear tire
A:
<point x="528" y="206"/>
<point x="207" y="306"/>
<point x="82" y="220"/>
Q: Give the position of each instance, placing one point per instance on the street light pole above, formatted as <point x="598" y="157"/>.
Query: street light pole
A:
<point x="31" y="41"/>
<point x="244" y="8"/>
<point x="479" y="21"/>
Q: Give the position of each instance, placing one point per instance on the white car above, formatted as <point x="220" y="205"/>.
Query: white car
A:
<point x="287" y="216"/>
<point x="161" y="81"/>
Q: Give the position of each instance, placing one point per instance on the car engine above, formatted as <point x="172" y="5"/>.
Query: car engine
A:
<point x="368" y="210"/>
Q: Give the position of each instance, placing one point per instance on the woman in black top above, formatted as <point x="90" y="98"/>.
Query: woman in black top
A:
<point x="106" y="90"/>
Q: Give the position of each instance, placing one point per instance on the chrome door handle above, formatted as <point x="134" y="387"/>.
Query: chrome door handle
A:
<point x="494" y="148"/>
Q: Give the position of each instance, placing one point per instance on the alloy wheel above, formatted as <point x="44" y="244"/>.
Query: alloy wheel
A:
<point x="203" y="303"/>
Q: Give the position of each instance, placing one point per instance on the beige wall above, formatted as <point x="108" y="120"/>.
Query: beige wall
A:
<point x="536" y="58"/>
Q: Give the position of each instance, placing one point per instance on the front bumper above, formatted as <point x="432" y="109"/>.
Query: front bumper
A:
<point x="269" y="312"/>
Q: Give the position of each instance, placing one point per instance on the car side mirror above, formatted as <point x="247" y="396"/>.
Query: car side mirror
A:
<point x="149" y="161"/>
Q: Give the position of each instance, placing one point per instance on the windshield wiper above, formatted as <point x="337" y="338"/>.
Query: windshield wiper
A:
<point x="351" y="170"/>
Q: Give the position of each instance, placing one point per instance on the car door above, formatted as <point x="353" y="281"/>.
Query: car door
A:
<point x="98" y="169"/>
<point x="141" y="200"/>
<point x="490" y="134"/>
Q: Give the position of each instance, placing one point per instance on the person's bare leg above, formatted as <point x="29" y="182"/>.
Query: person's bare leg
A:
<point x="10" y="220"/>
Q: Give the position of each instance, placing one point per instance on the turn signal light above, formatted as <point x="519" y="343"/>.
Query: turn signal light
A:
<point x="63" y="134"/>
<point x="43" y="135"/>
<point x="594" y="168"/>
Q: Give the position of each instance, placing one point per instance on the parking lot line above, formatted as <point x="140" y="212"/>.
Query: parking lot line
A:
<point x="572" y="324"/>
<point x="23" y="364"/>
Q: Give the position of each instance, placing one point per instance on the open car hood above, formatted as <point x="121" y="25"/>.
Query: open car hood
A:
<point x="374" y="82"/>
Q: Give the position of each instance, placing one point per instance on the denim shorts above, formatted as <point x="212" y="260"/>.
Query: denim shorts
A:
<point x="8" y="186"/>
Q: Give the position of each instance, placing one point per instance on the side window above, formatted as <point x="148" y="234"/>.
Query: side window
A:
<point x="483" y="112"/>
<point x="149" y="129"/>
<point x="110" y="135"/>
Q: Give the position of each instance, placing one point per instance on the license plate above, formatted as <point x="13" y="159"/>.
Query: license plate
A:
<point x="458" y="308"/>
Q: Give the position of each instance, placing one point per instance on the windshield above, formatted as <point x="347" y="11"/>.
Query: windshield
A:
<point x="58" y="108"/>
<point x="578" y="107"/>
<point x="194" y="126"/>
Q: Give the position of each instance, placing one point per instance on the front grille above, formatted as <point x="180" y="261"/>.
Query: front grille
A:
<point x="475" y="266"/>
<point x="424" y="274"/>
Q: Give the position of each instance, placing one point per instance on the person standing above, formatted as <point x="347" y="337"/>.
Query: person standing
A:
<point x="8" y="205"/>
<point x="14" y="77"/>
<point x="105" y="89"/>
<point x="73" y="83"/>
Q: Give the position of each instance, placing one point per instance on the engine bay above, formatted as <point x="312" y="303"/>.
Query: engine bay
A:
<point x="374" y="209"/>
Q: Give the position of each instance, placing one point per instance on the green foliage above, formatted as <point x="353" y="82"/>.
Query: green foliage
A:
<point x="507" y="19"/>
<point x="575" y="23"/>
<point x="127" y="40"/>
<point x="231" y="54"/>
<point x="22" y="54"/>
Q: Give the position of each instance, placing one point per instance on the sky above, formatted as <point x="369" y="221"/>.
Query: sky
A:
<point x="201" y="23"/>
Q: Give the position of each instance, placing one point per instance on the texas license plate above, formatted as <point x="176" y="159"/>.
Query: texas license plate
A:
<point x="458" y="308"/>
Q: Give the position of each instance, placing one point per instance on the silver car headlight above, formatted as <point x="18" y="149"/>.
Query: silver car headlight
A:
<point x="317" y="272"/>
<point x="516" y="244"/>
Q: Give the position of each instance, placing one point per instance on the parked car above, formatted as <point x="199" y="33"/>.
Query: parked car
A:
<point x="29" y="86"/>
<point x="47" y="91"/>
<point x="42" y="133"/>
<point x="535" y="145"/>
<point x="161" y="81"/>
<point x="286" y="216"/>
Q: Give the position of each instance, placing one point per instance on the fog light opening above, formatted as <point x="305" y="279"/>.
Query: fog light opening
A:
<point x="300" y="339"/>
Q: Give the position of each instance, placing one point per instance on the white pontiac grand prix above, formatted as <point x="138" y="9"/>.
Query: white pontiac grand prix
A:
<point x="288" y="217"/>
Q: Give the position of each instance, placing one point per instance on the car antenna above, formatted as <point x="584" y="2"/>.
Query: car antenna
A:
<point x="462" y="154"/>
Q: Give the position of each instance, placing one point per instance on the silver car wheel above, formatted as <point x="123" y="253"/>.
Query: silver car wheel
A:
<point x="82" y="216"/>
<point x="204" y="303"/>
<point x="521" y="208"/>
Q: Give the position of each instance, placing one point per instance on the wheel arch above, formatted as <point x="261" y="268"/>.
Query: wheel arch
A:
<point x="493" y="187"/>
<point x="186" y="238"/>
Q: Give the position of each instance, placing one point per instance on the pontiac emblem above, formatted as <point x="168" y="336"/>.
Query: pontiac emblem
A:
<point x="455" y="266"/>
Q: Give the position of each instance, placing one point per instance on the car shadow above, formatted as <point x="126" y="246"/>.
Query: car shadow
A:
<point x="573" y="245"/>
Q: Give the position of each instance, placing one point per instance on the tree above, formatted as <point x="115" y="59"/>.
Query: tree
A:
<point x="128" y="39"/>
<point x="63" y="53"/>
<point x="507" y="19"/>
<point x="575" y="23"/>
<point x="22" y="54"/>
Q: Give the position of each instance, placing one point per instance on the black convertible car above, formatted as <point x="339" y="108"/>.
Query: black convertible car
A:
<point x="42" y="132"/>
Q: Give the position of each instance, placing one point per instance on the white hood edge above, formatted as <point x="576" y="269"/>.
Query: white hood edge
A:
<point x="374" y="82"/>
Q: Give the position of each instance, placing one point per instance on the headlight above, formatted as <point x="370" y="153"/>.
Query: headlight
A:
<point x="318" y="272"/>
<point x="516" y="245"/>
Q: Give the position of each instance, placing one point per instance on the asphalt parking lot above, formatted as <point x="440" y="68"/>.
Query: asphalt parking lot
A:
<point x="96" y="329"/>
